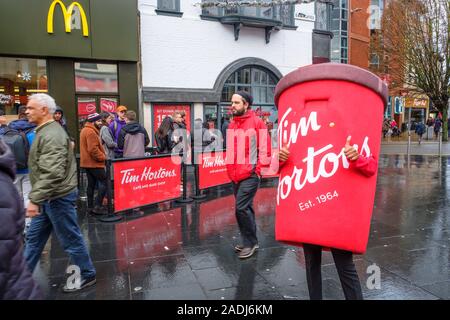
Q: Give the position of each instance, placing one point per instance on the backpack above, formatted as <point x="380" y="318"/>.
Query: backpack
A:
<point x="18" y="143"/>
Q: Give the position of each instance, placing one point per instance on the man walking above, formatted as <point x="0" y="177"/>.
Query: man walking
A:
<point x="133" y="138"/>
<point x="92" y="159"/>
<point x="247" y="142"/>
<point x="54" y="192"/>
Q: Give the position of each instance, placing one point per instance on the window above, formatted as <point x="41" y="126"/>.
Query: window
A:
<point x="20" y="78"/>
<point x="339" y="27"/>
<point x="96" y="77"/>
<point x="283" y="13"/>
<point x="169" y="5"/>
<point x="260" y="83"/>
<point x="323" y="16"/>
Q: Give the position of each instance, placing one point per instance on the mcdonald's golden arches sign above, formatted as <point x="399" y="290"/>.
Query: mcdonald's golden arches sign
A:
<point x="67" y="14"/>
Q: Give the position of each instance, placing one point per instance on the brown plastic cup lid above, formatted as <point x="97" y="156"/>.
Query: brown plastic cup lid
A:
<point x="333" y="71"/>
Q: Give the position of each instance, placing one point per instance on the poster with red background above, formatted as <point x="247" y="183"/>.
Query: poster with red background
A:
<point x="86" y="107"/>
<point x="142" y="182"/>
<point x="108" y="104"/>
<point x="162" y="111"/>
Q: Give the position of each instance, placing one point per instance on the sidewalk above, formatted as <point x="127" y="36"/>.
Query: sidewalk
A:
<point x="186" y="251"/>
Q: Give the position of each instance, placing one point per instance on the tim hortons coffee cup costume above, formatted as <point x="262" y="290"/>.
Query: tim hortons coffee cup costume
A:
<point x="323" y="198"/>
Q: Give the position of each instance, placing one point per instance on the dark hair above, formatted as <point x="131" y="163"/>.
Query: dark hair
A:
<point x="131" y="115"/>
<point x="2" y="112"/>
<point x="164" y="128"/>
<point x="104" y="116"/>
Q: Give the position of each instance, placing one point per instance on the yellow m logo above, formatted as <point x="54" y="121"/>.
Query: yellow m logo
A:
<point x="67" y="13"/>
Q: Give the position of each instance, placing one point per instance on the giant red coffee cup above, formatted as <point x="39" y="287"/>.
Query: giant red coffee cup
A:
<point x="322" y="199"/>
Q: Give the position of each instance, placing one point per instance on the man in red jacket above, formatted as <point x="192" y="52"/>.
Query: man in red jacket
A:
<point x="248" y="151"/>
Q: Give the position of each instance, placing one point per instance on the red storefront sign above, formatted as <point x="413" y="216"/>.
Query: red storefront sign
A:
<point x="142" y="182"/>
<point x="108" y="104"/>
<point x="86" y="107"/>
<point x="162" y="111"/>
<point x="212" y="170"/>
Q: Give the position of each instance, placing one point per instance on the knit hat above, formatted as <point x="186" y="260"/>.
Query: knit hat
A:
<point x="93" y="117"/>
<point x="247" y="96"/>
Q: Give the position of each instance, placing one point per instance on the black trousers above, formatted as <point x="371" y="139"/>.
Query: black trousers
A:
<point x="244" y="192"/>
<point x="344" y="265"/>
<point x="96" y="177"/>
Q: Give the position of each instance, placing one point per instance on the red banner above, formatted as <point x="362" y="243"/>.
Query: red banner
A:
<point x="108" y="104"/>
<point x="142" y="182"/>
<point x="86" y="107"/>
<point x="212" y="170"/>
<point x="162" y="111"/>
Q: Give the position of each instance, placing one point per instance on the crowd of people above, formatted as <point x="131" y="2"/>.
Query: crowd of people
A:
<point x="391" y="129"/>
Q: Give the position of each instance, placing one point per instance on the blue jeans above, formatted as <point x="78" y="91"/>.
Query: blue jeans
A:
<point x="59" y="215"/>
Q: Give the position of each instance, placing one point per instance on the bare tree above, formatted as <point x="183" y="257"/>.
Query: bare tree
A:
<point x="415" y="51"/>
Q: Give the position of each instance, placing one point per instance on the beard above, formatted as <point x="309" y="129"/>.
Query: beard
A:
<point x="239" y="113"/>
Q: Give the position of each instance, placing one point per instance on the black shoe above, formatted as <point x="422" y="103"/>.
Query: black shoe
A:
<point x="247" y="252"/>
<point x="239" y="247"/>
<point x="84" y="284"/>
<point x="99" y="211"/>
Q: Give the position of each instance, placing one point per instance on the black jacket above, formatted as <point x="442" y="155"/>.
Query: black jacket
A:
<point x="16" y="282"/>
<point x="165" y="144"/>
<point x="132" y="128"/>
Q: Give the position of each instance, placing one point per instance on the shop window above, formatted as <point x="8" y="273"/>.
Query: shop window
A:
<point x="169" y="5"/>
<point x="210" y="117"/>
<point x="96" y="77"/>
<point x="260" y="83"/>
<point x="20" y="78"/>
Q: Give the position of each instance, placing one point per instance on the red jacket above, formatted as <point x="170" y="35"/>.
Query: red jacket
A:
<point x="368" y="166"/>
<point x="245" y="159"/>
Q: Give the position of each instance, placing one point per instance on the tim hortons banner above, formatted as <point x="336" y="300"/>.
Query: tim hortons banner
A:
<point x="142" y="182"/>
<point x="322" y="199"/>
<point x="212" y="170"/>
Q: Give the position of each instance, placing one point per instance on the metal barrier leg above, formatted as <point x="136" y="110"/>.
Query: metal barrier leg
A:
<point x="184" y="199"/>
<point x="198" y="194"/>
<point x="111" y="217"/>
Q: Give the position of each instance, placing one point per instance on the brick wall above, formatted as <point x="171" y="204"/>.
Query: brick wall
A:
<point x="359" y="33"/>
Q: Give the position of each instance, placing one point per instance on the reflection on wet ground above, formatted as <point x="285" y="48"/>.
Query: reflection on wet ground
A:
<point x="186" y="251"/>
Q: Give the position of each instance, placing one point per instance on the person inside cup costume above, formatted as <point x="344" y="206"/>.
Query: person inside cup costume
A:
<point x="343" y="259"/>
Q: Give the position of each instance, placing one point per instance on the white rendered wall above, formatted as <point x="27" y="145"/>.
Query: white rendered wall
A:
<point x="188" y="52"/>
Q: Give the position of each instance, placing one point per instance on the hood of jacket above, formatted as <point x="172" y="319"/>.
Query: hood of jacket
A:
<point x="132" y="128"/>
<point x="21" y="125"/>
<point x="7" y="161"/>
<point x="241" y="119"/>
<point x="91" y="126"/>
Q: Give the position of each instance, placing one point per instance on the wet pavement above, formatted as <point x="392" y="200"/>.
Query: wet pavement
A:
<point x="186" y="252"/>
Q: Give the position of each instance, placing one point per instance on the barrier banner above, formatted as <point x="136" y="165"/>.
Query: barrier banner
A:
<point x="146" y="181"/>
<point x="212" y="170"/>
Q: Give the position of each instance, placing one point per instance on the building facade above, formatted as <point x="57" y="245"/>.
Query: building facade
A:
<point x="85" y="54"/>
<point x="195" y="58"/>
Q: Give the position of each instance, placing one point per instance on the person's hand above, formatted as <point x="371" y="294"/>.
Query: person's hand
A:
<point x="32" y="210"/>
<point x="284" y="153"/>
<point x="350" y="152"/>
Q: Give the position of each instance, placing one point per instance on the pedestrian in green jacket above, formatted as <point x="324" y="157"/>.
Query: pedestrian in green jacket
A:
<point x="54" y="193"/>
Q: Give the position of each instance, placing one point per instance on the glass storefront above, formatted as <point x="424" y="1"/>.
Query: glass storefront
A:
<point x="20" y="78"/>
<point x="261" y="85"/>
<point x="97" y="88"/>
